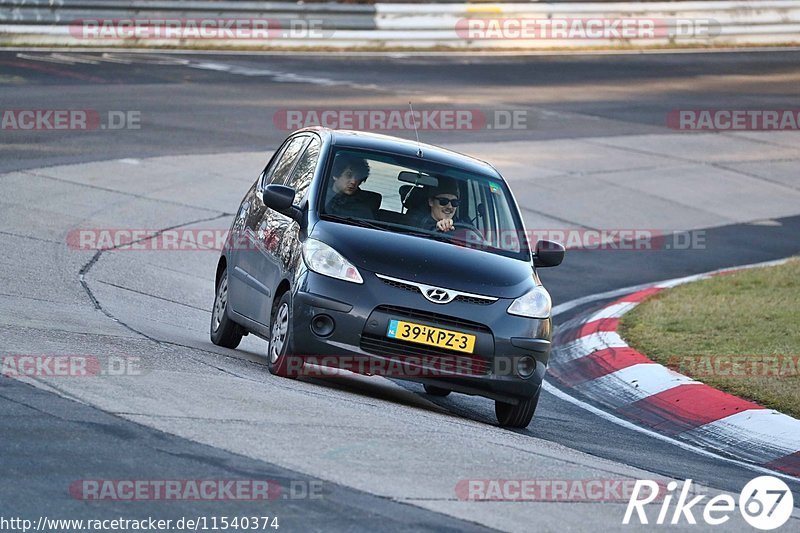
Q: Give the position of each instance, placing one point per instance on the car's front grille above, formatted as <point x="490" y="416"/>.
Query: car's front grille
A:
<point x="400" y="285"/>
<point x="436" y="358"/>
<point x="434" y="318"/>
<point x="472" y="300"/>
<point x="475" y="300"/>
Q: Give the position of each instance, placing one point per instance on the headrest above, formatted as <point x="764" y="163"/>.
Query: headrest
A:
<point x="416" y="200"/>
<point x="372" y="199"/>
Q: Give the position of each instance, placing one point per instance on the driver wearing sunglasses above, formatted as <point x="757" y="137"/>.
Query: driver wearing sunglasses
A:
<point x="443" y="202"/>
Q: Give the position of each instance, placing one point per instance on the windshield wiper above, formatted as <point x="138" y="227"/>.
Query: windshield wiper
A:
<point x="435" y="235"/>
<point x="398" y="228"/>
<point x="352" y="220"/>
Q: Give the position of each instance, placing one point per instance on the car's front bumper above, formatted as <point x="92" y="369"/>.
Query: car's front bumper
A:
<point x="358" y="341"/>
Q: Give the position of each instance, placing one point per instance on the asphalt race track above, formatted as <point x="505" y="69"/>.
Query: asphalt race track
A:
<point x="351" y="452"/>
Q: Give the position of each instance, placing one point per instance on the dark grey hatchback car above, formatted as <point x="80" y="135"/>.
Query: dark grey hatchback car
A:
<point x="384" y="256"/>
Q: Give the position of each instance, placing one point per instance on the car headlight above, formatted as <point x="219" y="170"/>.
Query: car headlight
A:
<point x="323" y="259"/>
<point x="535" y="303"/>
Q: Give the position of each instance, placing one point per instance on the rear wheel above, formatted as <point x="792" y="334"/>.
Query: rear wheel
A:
<point x="433" y="390"/>
<point x="517" y="415"/>
<point x="281" y="343"/>
<point x="224" y="331"/>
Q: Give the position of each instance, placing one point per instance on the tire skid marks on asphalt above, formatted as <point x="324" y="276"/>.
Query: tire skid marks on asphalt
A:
<point x="756" y="435"/>
<point x="595" y="361"/>
<point x="71" y="58"/>
<point x="596" y="365"/>
<point x="588" y="344"/>
<point x="634" y="383"/>
<point x="276" y="75"/>
<point x="67" y="58"/>
<point x="685" y="407"/>
<point x="615" y="310"/>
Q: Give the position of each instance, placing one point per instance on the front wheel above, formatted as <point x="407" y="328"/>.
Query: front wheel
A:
<point x="281" y="343"/>
<point x="224" y="331"/>
<point x="517" y="415"/>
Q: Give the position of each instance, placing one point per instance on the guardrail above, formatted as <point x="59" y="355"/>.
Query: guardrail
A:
<point x="502" y="25"/>
<point x="63" y="12"/>
<point x="475" y="25"/>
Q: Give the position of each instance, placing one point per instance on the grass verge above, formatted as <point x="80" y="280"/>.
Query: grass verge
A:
<point x="737" y="332"/>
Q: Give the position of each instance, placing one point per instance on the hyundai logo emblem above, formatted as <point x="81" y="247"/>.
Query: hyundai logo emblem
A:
<point x="438" y="296"/>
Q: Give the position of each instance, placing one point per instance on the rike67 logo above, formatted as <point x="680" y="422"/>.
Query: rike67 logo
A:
<point x="765" y="503"/>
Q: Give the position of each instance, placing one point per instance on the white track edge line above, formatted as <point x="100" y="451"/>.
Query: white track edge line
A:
<point x="558" y="393"/>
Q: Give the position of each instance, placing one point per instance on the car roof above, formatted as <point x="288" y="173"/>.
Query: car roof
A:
<point x="388" y="143"/>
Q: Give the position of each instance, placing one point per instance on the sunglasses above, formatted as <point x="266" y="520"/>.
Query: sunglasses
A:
<point x="444" y="201"/>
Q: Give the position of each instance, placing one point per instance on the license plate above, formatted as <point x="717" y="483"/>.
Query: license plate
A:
<point x="441" y="338"/>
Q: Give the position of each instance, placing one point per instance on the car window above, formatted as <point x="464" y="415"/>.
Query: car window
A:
<point x="278" y="171"/>
<point x="473" y="205"/>
<point x="304" y="171"/>
<point x="263" y="179"/>
<point x="396" y="196"/>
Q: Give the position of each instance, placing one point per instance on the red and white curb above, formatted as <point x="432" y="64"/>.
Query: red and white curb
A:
<point x="590" y="357"/>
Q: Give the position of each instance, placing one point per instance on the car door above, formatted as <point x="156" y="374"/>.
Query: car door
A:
<point x="281" y="231"/>
<point x="254" y="291"/>
<point x="238" y="240"/>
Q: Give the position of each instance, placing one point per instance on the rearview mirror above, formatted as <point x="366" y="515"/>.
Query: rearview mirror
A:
<point x="548" y="254"/>
<point x="418" y="179"/>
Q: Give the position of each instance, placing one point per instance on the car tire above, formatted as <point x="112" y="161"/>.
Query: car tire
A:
<point x="433" y="390"/>
<point x="281" y="340"/>
<point x="224" y="331"/>
<point x="517" y="415"/>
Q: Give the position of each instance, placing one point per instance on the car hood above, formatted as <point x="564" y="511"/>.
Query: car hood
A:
<point x="427" y="261"/>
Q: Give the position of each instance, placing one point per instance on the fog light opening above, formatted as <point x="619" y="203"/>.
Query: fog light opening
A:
<point x="322" y="325"/>
<point x="526" y="366"/>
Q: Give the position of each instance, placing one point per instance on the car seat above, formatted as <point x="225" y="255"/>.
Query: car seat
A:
<point x="417" y="200"/>
<point x="373" y="200"/>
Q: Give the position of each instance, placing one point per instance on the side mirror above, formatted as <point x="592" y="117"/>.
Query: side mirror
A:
<point x="278" y="197"/>
<point x="548" y="254"/>
<point x="281" y="199"/>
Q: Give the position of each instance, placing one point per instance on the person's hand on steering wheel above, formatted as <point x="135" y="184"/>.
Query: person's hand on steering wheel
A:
<point x="446" y="224"/>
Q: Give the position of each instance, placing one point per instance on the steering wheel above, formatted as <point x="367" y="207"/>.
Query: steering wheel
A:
<point x="473" y="235"/>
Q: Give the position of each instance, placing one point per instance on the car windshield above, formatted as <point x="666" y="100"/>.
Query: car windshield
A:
<point x="411" y="195"/>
